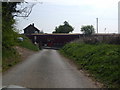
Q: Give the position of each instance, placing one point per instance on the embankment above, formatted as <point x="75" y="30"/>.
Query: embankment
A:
<point x="12" y="55"/>
<point x="102" y="61"/>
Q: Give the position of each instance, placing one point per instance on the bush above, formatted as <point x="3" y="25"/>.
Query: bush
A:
<point x="97" y="39"/>
<point x="101" y="60"/>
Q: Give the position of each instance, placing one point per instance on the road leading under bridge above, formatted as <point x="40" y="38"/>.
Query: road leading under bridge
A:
<point x="47" y="69"/>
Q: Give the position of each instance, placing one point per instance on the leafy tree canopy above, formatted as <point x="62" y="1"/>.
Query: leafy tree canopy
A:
<point x="88" y="30"/>
<point x="9" y="11"/>
<point x="66" y="28"/>
<point x="8" y="34"/>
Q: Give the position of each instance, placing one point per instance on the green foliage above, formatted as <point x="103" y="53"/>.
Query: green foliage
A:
<point x="101" y="60"/>
<point x="26" y="43"/>
<point x="9" y="54"/>
<point x="88" y="30"/>
<point x="9" y="37"/>
<point x="66" y="28"/>
<point x="8" y="34"/>
<point x="9" y="58"/>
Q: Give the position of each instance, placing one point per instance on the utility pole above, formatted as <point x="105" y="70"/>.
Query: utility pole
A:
<point x="105" y="30"/>
<point x="97" y="24"/>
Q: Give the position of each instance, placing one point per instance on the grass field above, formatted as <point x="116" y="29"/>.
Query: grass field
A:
<point x="102" y="61"/>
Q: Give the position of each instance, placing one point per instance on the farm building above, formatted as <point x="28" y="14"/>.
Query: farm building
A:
<point x="31" y="29"/>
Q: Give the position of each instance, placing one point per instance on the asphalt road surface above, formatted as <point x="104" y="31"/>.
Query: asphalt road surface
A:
<point x="46" y="69"/>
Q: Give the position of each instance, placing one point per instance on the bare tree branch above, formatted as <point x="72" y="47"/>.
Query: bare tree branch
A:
<point x="25" y="10"/>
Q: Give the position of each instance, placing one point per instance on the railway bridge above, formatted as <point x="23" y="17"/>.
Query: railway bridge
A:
<point x="52" y="40"/>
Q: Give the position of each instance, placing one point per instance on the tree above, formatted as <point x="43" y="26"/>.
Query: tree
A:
<point x="88" y="30"/>
<point x="8" y="34"/>
<point x="24" y="9"/>
<point x="9" y="11"/>
<point x="66" y="28"/>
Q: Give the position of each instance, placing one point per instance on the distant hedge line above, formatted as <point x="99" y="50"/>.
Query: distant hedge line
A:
<point x="97" y="39"/>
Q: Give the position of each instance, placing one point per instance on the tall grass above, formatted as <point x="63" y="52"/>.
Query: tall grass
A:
<point x="102" y="61"/>
<point x="10" y="57"/>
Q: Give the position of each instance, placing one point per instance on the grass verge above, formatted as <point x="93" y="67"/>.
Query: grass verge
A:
<point x="26" y="43"/>
<point x="101" y="60"/>
<point x="11" y="57"/>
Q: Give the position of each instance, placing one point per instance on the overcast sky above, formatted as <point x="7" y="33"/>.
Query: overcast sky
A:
<point x="52" y="13"/>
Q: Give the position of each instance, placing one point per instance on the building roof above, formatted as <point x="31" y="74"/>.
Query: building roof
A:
<point x="31" y="25"/>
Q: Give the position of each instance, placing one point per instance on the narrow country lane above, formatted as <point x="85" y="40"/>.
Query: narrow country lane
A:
<point x="46" y="69"/>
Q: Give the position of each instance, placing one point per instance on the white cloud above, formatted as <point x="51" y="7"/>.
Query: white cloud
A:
<point x="93" y="3"/>
<point x="96" y="4"/>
